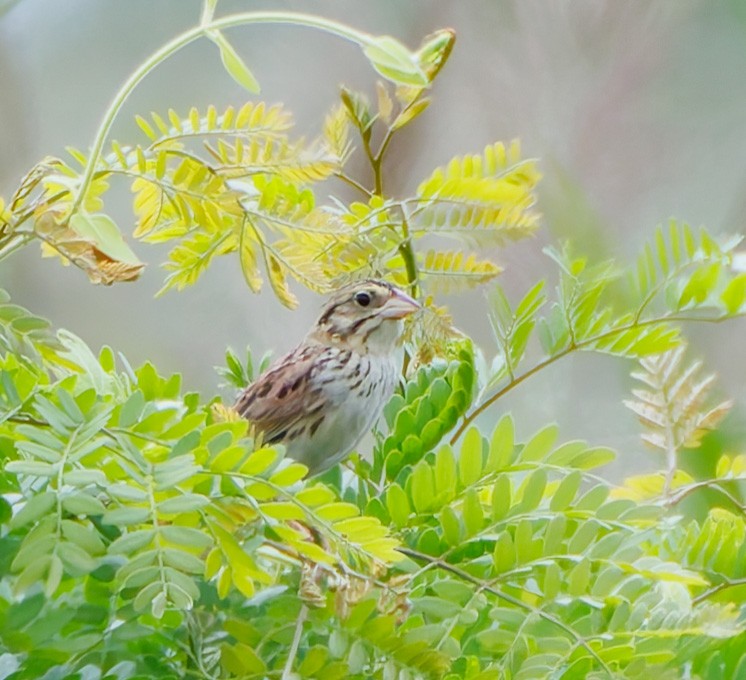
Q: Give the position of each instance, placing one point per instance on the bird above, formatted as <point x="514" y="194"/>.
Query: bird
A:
<point x="322" y="397"/>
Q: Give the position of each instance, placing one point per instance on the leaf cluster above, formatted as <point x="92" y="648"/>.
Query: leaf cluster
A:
<point x="131" y="500"/>
<point x="212" y="183"/>
<point x="145" y="534"/>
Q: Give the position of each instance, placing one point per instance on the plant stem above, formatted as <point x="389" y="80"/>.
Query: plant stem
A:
<point x="287" y="672"/>
<point x="587" y="343"/>
<point x="353" y="183"/>
<point x="173" y="46"/>
<point x="729" y="583"/>
<point x="486" y="586"/>
<point x="469" y="418"/>
<point x="14" y="242"/>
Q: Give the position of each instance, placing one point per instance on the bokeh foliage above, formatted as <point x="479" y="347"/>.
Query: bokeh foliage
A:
<point x="143" y="532"/>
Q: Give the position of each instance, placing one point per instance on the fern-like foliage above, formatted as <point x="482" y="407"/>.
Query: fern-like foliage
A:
<point x="144" y="533"/>
<point x="214" y="183"/>
<point x="122" y="469"/>
<point x="586" y="315"/>
<point x="246" y="195"/>
<point x="673" y="409"/>
<point x="484" y="196"/>
<point x="684" y="268"/>
<point x="428" y="407"/>
<point x="129" y="500"/>
<point x="448" y="272"/>
<point x="23" y="333"/>
<point x="526" y="536"/>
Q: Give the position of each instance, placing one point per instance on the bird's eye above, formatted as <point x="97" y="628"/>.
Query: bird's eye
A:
<point x="363" y="299"/>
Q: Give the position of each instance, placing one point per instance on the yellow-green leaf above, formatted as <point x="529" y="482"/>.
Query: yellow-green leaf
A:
<point x="234" y="65"/>
<point x="394" y="61"/>
<point x="103" y="232"/>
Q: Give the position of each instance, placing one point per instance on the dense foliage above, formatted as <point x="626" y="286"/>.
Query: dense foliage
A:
<point x="143" y="534"/>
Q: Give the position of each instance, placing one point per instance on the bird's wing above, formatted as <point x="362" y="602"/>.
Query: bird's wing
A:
<point x="284" y="400"/>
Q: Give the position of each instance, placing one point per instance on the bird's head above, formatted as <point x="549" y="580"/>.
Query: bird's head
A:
<point x="365" y="317"/>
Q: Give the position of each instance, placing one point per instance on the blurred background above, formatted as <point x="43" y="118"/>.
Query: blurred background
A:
<point x="636" y="110"/>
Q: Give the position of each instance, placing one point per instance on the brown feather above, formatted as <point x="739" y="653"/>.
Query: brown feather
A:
<point x="322" y="397"/>
<point x="282" y="397"/>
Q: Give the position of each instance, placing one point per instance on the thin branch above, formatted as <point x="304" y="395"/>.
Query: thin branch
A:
<point x="287" y="672"/>
<point x="580" y="345"/>
<point x="353" y="183"/>
<point x="182" y="40"/>
<point x="410" y="263"/>
<point x="683" y="492"/>
<point x="15" y="242"/>
<point x="728" y="583"/>
<point x="25" y="420"/>
<point x="466" y="576"/>
<point x="469" y="418"/>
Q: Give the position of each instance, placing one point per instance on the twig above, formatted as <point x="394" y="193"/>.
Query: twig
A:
<point x="466" y="576"/>
<point x="587" y="343"/>
<point x="353" y="183"/>
<point x="729" y="583"/>
<point x="287" y="671"/>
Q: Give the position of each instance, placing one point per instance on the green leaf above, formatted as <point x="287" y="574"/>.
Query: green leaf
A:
<point x="234" y="65"/>
<point x="421" y="487"/>
<point x="501" y="497"/>
<point x="539" y="445"/>
<point x="126" y="516"/>
<point x="82" y="477"/>
<point x="183" y="561"/>
<point x="451" y="525"/>
<point x="593" y="458"/>
<point x="472" y="512"/>
<point x="147" y="596"/>
<point x="410" y="113"/>
<point x="579" y="578"/>
<point x="284" y="510"/>
<point x="76" y="559"/>
<point x="83" y="536"/>
<point x="259" y="461"/>
<point x="289" y="475"/>
<point x="82" y="503"/>
<point x="132" y="409"/>
<point x="531" y="491"/>
<point x="504" y="555"/>
<point x="565" y="493"/>
<point x="186" y="502"/>
<point x="104" y="233"/>
<point x="446" y="477"/>
<point x="470" y="458"/>
<point x="394" y="61"/>
<point x="240" y="659"/>
<point x="734" y="294"/>
<point x="132" y="541"/>
<point x="502" y="445"/>
<point x="35" y="508"/>
<point x="397" y="505"/>
<point x="700" y="284"/>
<point x="31" y="467"/>
<point x="188" y="536"/>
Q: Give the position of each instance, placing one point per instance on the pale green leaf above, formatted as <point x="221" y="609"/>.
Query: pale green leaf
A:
<point x="234" y="65"/>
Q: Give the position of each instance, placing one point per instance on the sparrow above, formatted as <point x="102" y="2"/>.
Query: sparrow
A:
<point x="322" y="397"/>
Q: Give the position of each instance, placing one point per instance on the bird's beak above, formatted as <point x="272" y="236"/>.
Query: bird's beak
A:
<point x="399" y="305"/>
